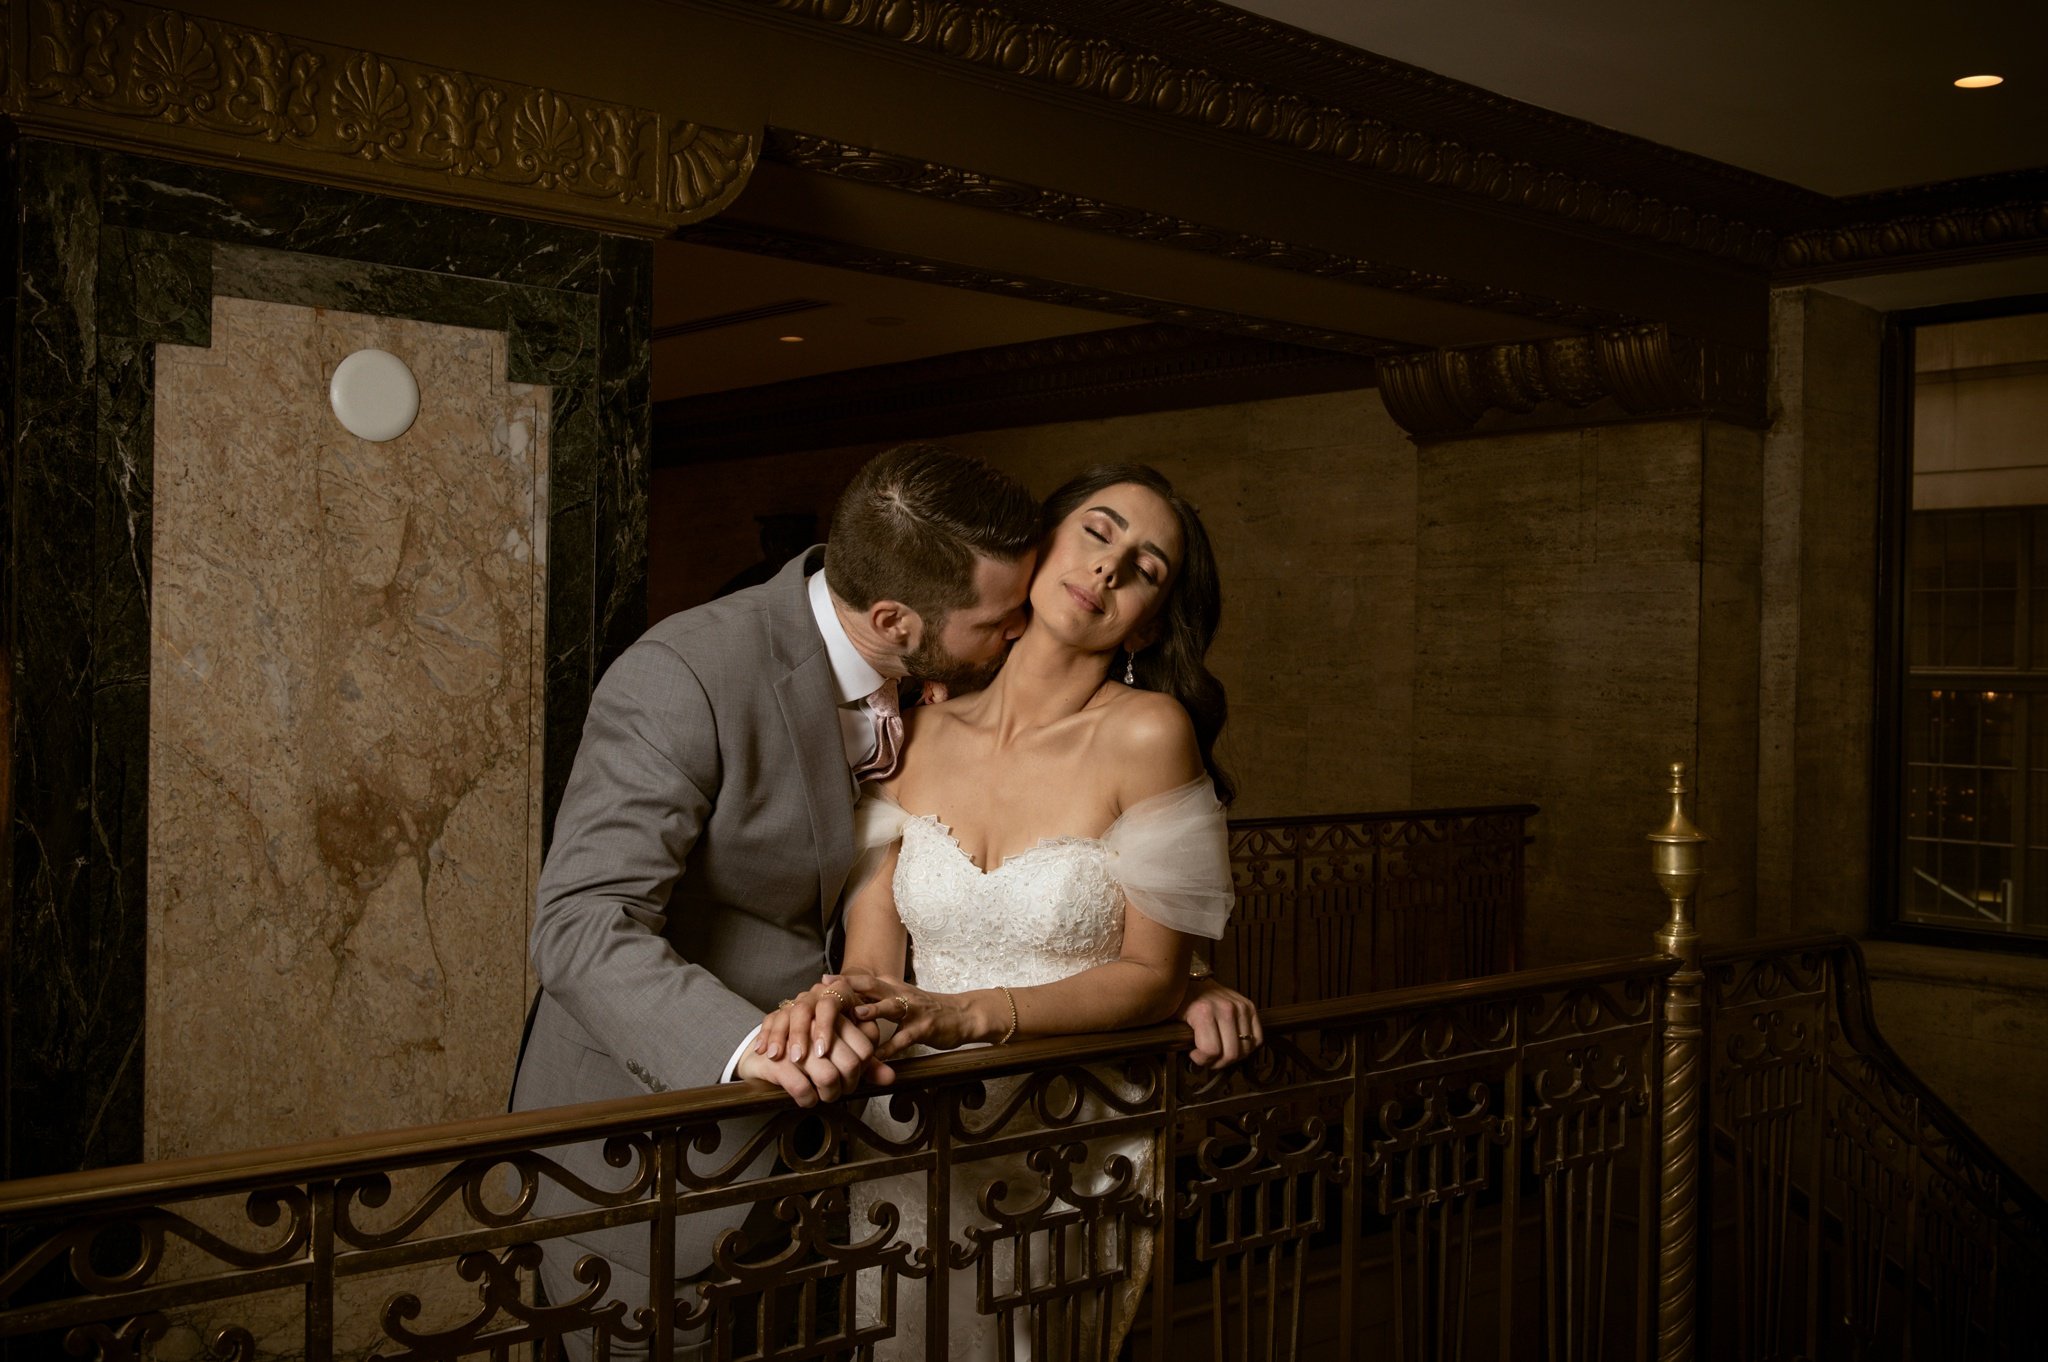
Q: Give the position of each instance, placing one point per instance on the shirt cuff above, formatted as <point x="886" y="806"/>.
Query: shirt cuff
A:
<point x="734" y="1063"/>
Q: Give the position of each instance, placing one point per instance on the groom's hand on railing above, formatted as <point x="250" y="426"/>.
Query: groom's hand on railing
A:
<point x="813" y="1049"/>
<point x="1225" y="1023"/>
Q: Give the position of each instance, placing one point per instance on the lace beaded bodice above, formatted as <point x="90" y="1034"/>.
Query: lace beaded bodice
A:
<point x="1040" y="916"/>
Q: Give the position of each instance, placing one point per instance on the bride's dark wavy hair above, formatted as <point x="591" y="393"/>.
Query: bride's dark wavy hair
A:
<point x="1187" y="620"/>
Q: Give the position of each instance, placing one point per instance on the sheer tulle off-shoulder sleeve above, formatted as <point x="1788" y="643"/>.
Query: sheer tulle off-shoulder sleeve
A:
<point x="877" y="824"/>
<point x="1171" y="854"/>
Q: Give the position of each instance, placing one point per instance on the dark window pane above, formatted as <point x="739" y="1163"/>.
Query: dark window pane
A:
<point x="2037" y="809"/>
<point x="1920" y="877"/>
<point x="1923" y="629"/>
<point x="1973" y="773"/>
<point x="1996" y="716"/>
<point x="1963" y="550"/>
<point x="1923" y="553"/>
<point x="1919" y="802"/>
<point x="2002" y="549"/>
<point x="1959" y="638"/>
<point x="1958" y="875"/>
<point x="1956" y="728"/>
<point x="1994" y="807"/>
<point x="1919" y="726"/>
<point x="1994" y="870"/>
<point x="2001" y="628"/>
<point x="1955" y="802"/>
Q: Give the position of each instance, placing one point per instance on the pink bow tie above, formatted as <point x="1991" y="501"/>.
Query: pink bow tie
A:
<point x="881" y="764"/>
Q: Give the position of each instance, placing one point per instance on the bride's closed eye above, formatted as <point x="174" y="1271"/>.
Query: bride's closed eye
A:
<point x="1144" y="569"/>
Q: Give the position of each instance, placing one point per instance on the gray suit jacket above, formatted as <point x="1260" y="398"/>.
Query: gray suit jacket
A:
<point x="700" y="849"/>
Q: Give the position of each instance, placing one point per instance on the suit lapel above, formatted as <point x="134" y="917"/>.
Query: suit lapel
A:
<point x="809" y="704"/>
<point x="809" y="712"/>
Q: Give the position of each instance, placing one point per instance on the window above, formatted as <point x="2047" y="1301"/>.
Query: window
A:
<point x="1970" y="819"/>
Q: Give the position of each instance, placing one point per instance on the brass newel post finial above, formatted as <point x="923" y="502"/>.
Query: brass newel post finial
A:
<point x="1675" y="860"/>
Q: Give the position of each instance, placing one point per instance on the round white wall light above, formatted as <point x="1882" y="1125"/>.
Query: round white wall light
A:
<point x="374" y="395"/>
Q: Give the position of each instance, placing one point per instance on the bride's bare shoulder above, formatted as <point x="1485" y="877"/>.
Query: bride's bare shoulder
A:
<point x="1151" y="729"/>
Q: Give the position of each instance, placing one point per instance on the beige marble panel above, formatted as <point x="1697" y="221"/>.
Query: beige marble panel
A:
<point x="345" y="711"/>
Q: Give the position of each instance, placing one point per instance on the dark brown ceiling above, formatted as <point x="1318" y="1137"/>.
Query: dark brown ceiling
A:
<point x="1839" y="96"/>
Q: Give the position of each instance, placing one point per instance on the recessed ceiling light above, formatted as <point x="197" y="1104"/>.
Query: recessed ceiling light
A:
<point x="789" y="340"/>
<point x="1979" y="82"/>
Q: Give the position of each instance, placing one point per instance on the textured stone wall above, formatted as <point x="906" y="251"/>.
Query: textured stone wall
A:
<point x="1310" y="502"/>
<point x="1585" y="614"/>
<point x="1819" y="617"/>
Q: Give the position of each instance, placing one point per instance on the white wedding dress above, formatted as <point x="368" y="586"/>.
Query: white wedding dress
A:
<point x="1042" y="915"/>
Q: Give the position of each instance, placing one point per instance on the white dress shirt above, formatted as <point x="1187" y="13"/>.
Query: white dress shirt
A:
<point x="854" y="679"/>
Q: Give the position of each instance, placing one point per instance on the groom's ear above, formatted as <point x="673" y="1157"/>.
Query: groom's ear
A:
<point x="895" y="622"/>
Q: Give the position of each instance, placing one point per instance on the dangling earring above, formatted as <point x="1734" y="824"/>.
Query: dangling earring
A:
<point x="1130" y="669"/>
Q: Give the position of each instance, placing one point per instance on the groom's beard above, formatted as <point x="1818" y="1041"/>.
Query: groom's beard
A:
<point x="930" y="661"/>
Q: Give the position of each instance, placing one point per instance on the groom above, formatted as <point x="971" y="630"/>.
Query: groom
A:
<point x="707" y="828"/>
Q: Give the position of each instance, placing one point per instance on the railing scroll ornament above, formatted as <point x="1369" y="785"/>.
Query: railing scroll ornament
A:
<point x="1675" y="860"/>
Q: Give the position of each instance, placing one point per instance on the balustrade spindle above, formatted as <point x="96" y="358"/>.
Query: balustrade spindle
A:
<point x="1675" y="860"/>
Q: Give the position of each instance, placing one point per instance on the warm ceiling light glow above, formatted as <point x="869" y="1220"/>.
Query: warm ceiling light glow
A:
<point x="1979" y="82"/>
<point x="789" y="340"/>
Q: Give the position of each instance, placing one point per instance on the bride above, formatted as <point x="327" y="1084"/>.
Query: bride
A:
<point x="1050" y="847"/>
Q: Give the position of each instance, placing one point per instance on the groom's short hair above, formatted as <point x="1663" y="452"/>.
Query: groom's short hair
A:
<point x="911" y="523"/>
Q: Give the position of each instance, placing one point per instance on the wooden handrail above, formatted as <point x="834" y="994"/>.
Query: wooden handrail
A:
<point x="1388" y="815"/>
<point x="481" y="1137"/>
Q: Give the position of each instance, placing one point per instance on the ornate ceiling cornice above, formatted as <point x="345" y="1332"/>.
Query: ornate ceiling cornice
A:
<point x="730" y="235"/>
<point x="1087" y="376"/>
<point x="1223" y="71"/>
<point x="1219" y="36"/>
<point x="1991" y="215"/>
<point x="955" y="185"/>
<point x="1630" y="372"/>
<point x="1048" y="44"/>
<point x="137" y="77"/>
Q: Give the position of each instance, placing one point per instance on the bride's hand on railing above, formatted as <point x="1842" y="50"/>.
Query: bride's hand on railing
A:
<point x="943" y="1021"/>
<point x="814" y="1049"/>
<point x="1225" y="1023"/>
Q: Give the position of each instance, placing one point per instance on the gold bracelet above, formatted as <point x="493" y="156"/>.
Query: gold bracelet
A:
<point x="1013" y="1014"/>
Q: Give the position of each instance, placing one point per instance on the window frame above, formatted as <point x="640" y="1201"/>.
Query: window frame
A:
<point x="1894" y="531"/>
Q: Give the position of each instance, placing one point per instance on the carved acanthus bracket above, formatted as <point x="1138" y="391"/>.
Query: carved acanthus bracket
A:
<point x="1621" y="373"/>
<point x="137" y="77"/>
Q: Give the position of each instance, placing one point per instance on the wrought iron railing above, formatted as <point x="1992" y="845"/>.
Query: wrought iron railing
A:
<point x="1648" y="1157"/>
<point x="1854" y="1214"/>
<point x="1335" y="904"/>
<point x="1423" y="1173"/>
